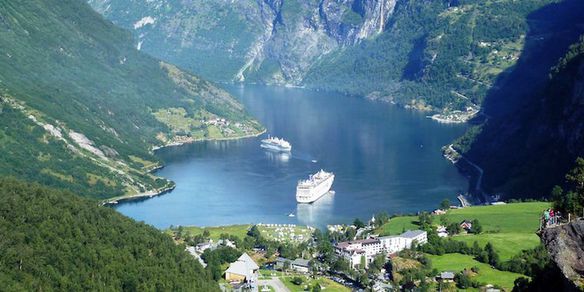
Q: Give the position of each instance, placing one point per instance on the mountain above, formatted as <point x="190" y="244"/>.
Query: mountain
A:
<point x="431" y="55"/>
<point x="81" y="108"/>
<point x="56" y="240"/>
<point x="533" y="133"/>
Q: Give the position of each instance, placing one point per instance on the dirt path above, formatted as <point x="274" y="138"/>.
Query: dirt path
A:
<point x="275" y="283"/>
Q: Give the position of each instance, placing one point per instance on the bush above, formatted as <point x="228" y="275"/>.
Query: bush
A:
<point x="297" y="281"/>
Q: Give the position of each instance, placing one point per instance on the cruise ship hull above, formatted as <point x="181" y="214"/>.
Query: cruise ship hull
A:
<point x="275" y="147"/>
<point x="310" y="195"/>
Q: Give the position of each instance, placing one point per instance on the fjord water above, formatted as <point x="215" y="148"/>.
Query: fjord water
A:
<point x="384" y="158"/>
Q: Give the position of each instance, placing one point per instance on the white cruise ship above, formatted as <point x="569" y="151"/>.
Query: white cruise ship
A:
<point x="316" y="186"/>
<point x="277" y="144"/>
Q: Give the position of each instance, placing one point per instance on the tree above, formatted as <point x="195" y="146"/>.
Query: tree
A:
<point x="462" y="281"/>
<point x="425" y="220"/>
<point x="444" y="220"/>
<point x="206" y="233"/>
<point x="286" y="266"/>
<point x="571" y="200"/>
<point x="492" y="254"/>
<point x="254" y="232"/>
<point x="377" y="264"/>
<point x="476" y="249"/>
<point x="476" y="227"/>
<point x="445" y="204"/>
<point x="381" y="218"/>
<point x="453" y="228"/>
<point x="358" y="223"/>
<point x="362" y="263"/>
<point x="341" y="265"/>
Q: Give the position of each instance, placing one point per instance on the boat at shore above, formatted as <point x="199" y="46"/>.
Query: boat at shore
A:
<point x="316" y="186"/>
<point x="276" y="144"/>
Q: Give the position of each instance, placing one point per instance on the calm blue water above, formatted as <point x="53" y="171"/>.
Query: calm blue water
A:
<point x="384" y="158"/>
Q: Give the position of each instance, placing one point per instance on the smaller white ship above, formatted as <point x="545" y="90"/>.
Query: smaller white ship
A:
<point x="316" y="186"/>
<point x="276" y="144"/>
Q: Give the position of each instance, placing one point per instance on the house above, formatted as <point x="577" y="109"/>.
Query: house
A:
<point x="243" y="270"/>
<point x="281" y="263"/>
<point x="201" y="247"/>
<point x="441" y="230"/>
<point x="438" y="212"/>
<point x="365" y="250"/>
<point x="355" y="250"/>
<point x="466" y="225"/>
<point x="301" y="265"/>
<point x="225" y="242"/>
<point x="193" y="252"/>
<point x="446" y="277"/>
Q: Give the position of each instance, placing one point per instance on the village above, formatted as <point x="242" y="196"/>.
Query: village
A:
<point x="287" y="257"/>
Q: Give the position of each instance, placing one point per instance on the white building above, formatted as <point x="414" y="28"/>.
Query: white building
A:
<point x="419" y="236"/>
<point x="244" y="270"/>
<point x="357" y="250"/>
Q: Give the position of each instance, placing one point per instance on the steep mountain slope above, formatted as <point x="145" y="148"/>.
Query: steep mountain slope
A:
<point x="56" y="241"/>
<point x="81" y="108"/>
<point x="266" y="40"/>
<point x="427" y="54"/>
<point x="534" y="132"/>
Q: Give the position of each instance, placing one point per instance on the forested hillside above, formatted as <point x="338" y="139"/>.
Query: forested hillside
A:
<point x="432" y="55"/>
<point x="57" y="241"/>
<point x="81" y="108"/>
<point x="534" y="131"/>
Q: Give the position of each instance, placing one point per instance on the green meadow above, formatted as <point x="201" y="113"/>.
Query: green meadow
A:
<point x="455" y="262"/>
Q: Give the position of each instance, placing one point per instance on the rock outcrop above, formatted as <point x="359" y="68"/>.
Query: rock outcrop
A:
<point x="268" y="41"/>
<point x="565" y="245"/>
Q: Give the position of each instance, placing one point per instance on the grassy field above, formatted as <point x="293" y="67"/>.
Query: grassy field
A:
<point x="326" y="284"/>
<point x="215" y="232"/>
<point x="397" y="225"/>
<point x="486" y="274"/>
<point x="510" y="228"/>
<point x="292" y="234"/>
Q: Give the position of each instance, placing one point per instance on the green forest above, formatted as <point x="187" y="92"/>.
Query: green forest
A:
<point x="442" y="54"/>
<point x="54" y="240"/>
<point x="64" y="71"/>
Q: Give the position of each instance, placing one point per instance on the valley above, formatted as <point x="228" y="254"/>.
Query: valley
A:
<point x="130" y="136"/>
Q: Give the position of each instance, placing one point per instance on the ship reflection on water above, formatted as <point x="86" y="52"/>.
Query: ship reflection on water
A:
<point x="317" y="212"/>
<point x="276" y="156"/>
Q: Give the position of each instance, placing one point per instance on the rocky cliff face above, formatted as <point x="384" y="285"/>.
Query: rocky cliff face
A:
<point x="565" y="245"/>
<point x="270" y="41"/>
<point x="535" y="128"/>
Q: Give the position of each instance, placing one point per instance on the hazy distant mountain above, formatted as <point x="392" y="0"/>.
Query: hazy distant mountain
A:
<point x="428" y="54"/>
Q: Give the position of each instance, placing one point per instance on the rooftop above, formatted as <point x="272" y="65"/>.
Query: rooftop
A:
<point x="412" y="233"/>
<point x="249" y="261"/>
<point x="447" y="275"/>
<point x="244" y="266"/>
<point x="301" y="262"/>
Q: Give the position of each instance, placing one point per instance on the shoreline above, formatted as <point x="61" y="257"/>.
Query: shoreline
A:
<point x="191" y="141"/>
<point x="155" y="193"/>
<point x="139" y="196"/>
